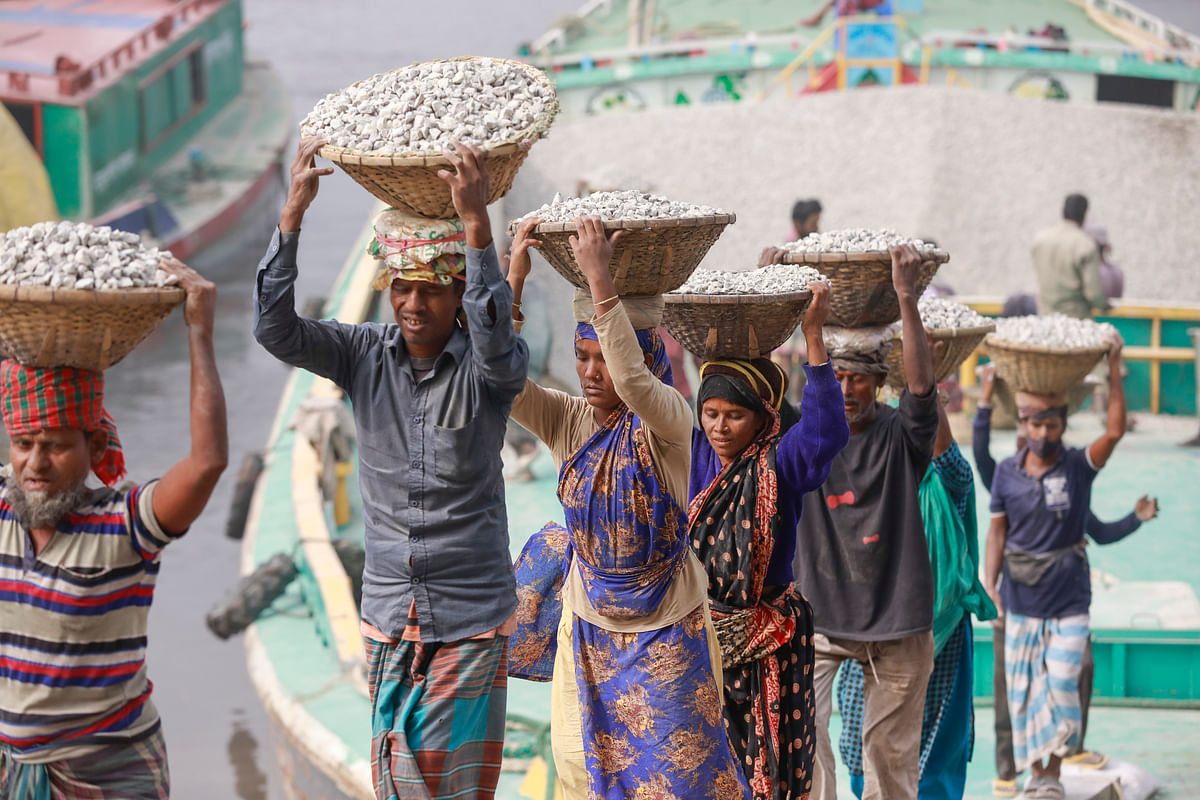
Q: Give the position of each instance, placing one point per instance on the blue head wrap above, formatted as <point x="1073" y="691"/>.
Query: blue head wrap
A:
<point x="650" y="343"/>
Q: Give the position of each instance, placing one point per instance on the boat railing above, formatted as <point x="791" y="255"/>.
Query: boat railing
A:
<point x="69" y="80"/>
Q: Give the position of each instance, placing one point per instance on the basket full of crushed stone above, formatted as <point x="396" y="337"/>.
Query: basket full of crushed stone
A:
<point x="387" y="132"/>
<point x="959" y="328"/>
<point x="72" y="295"/>
<point x="859" y="268"/>
<point x="663" y="241"/>
<point x="718" y="314"/>
<point x="1047" y="355"/>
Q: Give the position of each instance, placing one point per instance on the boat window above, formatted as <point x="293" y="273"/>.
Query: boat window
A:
<point x="27" y="116"/>
<point x="171" y="95"/>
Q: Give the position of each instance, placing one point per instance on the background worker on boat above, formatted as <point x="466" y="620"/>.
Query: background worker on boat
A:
<point x="1144" y="510"/>
<point x="635" y="708"/>
<point x="861" y="558"/>
<point x="1067" y="263"/>
<point x="1040" y="502"/>
<point x="431" y="401"/>
<point x="78" y="568"/>
<point x="748" y="482"/>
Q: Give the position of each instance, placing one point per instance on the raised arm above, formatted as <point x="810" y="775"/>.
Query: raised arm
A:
<point x="329" y="349"/>
<point x="1144" y="510"/>
<point x="184" y="490"/>
<point x="918" y="362"/>
<point x="660" y="406"/>
<point x="807" y="449"/>
<point x="1100" y="450"/>
<point x="981" y="430"/>
<point x="502" y="357"/>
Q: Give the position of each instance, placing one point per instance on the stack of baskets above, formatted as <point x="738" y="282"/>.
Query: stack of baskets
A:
<point x="409" y="180"/>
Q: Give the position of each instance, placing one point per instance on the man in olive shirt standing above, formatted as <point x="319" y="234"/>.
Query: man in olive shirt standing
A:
<point x="1067" y="263"/>
<point x="431" y="402"/>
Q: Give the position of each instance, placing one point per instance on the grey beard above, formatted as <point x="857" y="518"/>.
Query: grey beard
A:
<point x="36" y="510"/>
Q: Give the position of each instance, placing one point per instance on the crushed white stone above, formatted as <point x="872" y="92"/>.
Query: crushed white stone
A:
<point x="76" y="255"/>
<point x="938" y="313"/>
<point x="774" y="279"/>
<point x="1055" y="330"/>
<point x="626" y="204"/>
<point x="483" y="102"/>
<point x="853" y="240"/>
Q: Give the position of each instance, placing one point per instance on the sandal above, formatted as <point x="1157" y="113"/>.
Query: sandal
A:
<point x="1043" y="787"/>
<point x="1004" y="788"/>
<point x="1088" y="759"/>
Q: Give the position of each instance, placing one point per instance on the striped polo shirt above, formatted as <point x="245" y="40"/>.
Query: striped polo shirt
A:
<point x="73" y="626"/>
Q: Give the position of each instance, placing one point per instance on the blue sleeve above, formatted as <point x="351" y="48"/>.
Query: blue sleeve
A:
<point x="325" y="347"/>
<point x="501" y="355"/>
<point x="981" y="440"/>
<point x="955" y="471"/>
<point x="1110" y="532"/>
<point x="806" y="451"/>
<point x="996" y="506"/>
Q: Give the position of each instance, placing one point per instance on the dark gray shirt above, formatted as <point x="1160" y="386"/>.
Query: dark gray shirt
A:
<point x="861" y="557"/>
<point x="428" y="449"/>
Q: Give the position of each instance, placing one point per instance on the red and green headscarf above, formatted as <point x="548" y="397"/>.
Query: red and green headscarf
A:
<point x="35" y="399"/>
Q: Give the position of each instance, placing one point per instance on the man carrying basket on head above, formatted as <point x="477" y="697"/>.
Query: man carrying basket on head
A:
<point x="431" y="402"/>
<point x="748" y="482"/>
<point x="78" y="567"/>
<point x="1040" y="502"/>
<point x="861" y="559"/>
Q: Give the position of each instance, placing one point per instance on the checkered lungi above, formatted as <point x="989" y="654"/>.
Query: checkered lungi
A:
<point x="128" y="771"/>
<point x="1042" y="662"/>
<point x="437" y="717"/>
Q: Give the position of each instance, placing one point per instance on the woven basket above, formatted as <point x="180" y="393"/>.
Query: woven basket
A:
<point x="409" y="181"/>
<point x="1040" y="369"/>
<point x="654" y="256"/>
<point x="862" y="295"/>
<point x="733" y="326"/>
<point x="44" y="327"/>
<point x="960" y="343"/>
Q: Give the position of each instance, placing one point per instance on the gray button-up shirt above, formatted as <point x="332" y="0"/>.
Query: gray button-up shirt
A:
<point x="428" y="451"/>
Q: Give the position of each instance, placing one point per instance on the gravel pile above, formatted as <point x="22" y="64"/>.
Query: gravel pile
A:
<point x="421" y="108"/>
<point x="853" y="240"/>
<point x="628" y="204"/>
<point x="76" y="255"/>
<point x="1055" y="330"/>
<point x="938" y="313"/>
<point x="775" y="279"/>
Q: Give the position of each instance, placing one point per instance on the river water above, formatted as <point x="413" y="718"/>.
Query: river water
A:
<point x="215" y="728"/>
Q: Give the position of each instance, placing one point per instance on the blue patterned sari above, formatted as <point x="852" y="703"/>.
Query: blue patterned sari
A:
<point x="651" y="713"/>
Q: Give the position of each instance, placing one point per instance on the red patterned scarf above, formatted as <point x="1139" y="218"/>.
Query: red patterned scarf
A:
<point x="43" y="398"/>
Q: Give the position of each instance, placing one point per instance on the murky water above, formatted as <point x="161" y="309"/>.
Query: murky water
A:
<point x="216" y="730"/>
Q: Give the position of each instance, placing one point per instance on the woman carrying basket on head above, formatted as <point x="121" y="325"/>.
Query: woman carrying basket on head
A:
<point x="748" y="481"/>
<point x="635" y="707"/>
